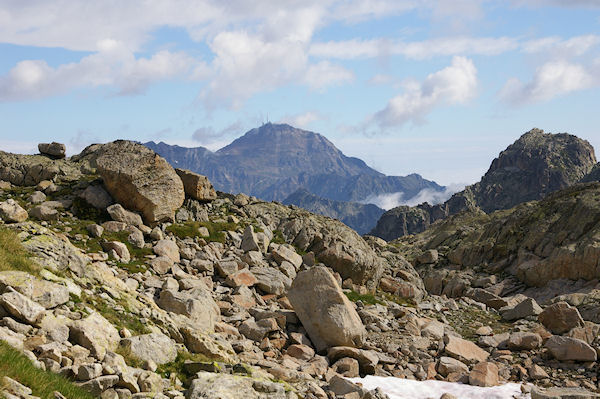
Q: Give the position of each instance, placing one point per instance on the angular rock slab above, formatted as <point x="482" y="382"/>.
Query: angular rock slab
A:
<point x="225" y="386"/>
<point x="95" y="333"/>
<point x="327" y="315"/>
<point x="566" y="348"/>
<point x="562" y="393"/>
<point x="560" y="318"/>
<point x="156" y="347"/>
<point x="463" y="350"/>
<point x="140" y="180"/>
<point x="197" y="186"/>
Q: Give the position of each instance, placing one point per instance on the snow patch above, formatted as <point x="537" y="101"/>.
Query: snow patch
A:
<point x="400" y="388"/>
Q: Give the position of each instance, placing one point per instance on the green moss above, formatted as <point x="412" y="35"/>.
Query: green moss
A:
<point x="367" y="299"/>
<point x="177" y="366"/>
<point x="278" y="237"/>
<point x="466" y="320"/>
<point x="15" y="365"/>
<point x="119" y="318"/>
<point x="13" y="255"/>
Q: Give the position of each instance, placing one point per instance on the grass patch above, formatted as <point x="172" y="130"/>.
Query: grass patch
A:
<point x="465" y="322"/>
<point x="190" y="229"/>
<point x="15" y="365"/>
<point x="120" y="319"/>
<point x="367" y="299"/>
<point x="13" y="255"/>
<point x="177" y="366"/>
<point x="278" y="237"/>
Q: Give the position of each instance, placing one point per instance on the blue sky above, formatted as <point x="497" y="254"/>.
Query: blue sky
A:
<point x="433" y="87"/>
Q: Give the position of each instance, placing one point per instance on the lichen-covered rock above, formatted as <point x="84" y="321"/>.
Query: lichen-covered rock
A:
<point x="95" y="333"/>
<point x="12" y="212"/>
<point x="137" y="178"/>
<point x="197" y="304"/>
<point x="21" y="307"/>
<point x="223" y="386"/>
<point x="54" y="150"/>
<point x="325" y="312"/>
<point x="156" y="347"/>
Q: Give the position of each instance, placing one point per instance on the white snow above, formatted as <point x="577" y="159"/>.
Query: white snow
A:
<point x="399" y="388"/>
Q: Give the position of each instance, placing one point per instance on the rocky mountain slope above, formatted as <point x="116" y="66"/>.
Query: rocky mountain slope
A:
<point x="274" y="161"/>
<point x="126" y="289"/>
<point x="361" y="217"/>
<point x="535" y="165"/>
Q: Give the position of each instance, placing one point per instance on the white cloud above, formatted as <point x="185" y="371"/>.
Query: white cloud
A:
<point x="324" y="74"/>
<point x="559" y="3"/>
<point x="575" y="46"/>
<point x="356" y="48"/>
<point x="552" y="79"/>
<point x="113" y="65"/>
<point x="454" y="84"/>
<point x="391" y="200"/>
<point x="301" y="120"/>
<point x="207" y="135"/>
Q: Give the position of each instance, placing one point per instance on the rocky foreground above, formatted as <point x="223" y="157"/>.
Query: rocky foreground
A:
<point x="147" y="283"/>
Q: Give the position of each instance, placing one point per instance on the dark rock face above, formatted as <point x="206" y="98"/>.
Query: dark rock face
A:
<point x="275" y="160"/>
<point x="539" y="241"/>
<point x="361" y="217"/>
<point x="534" y="166"/>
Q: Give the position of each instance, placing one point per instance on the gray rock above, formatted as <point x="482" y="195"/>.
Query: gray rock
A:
<point x="249" y="240"/>
<point x="11" y="212"/>
<point x="90" y="371"/>
<point x="447" y="365"/>
<point x="567" y="348"/>
<point x="100" y="384"/>
<point x="120" y="214"/>
<point x="197" y="304"/>
<point x="562" y="393"/>
<point x="43" y="212"/>
<point x="156" y="347"/>
<point x="37" y="197"/>
<point x="95" y="230"/>
<point x="21" y="307"/>
<point x="223" y="386"/>
<point x="54" y="149"/>
<point x="463" y="350"/>
<point x="97" y="197"/>
<point x="197" y="186"/>
<point x="325" y="312"/>
<point x="117" y="248"/>
<point x="283" y="253"/>
<point x="528" y="307"/>
<point x="271" y="280"/>
<point x="167" y="248"/>
<point x="96" y="334"/>
<point x="524" y="341"/>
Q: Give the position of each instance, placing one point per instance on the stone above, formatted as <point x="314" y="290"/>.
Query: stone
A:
<point x="484" y="374"/>
<point x="37" y="197"/>
<point x="197" y="186"/>
<point x="325" y="312"/>
<point x="249" y="240"/>
<point x="120" y="250"/>
<point x="488" y="298"/>
<point x="284" y="253"/>
<point x="567" y="348"/>
<point x="100" y="384"/>
<point x="463" y="350"/>
<point x="341" y="386"/>
<point x="528" y="307"/>
<point x="428" y="257"/>
<point x="136" y="237"/>
<point x="448" y="365"/>
<point x="95" y="333"/>
<point x="562" y="393"/>
<point x="12" y="212"/>
<point x="21" y="307"/>
<point x="150" y="382"/>
<point x="54" y="149"/>
<point x="524" y="341"/>
<point x="156" y="347"/>
<point x="271" y="280"/>
<point x="167" y="248"/>
<point x="95" y="230"/>
<point x="213" y="346"/>
<point x="97" y="196"/>
<point x="224" y="386"/>
<point x="302" y="352"/>
<point x="161" y="264"/>
<point x="366" y="359"/>
<point x="138" y="179"/>
<point x="43" y="212"/>
<point x="537" y="373"/>
<point x="346" y="366"/>
<point x="120" y="214"/>
<point x="197" y="304"/>
<point x="90" y="371"/>
<point x="560" y="318"/>
<point x="241" y="277"/>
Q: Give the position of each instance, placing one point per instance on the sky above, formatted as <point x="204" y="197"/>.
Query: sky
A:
<point x="435" y="87"/>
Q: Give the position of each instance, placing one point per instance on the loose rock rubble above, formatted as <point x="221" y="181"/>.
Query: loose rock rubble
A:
<point x="233" y="296"/>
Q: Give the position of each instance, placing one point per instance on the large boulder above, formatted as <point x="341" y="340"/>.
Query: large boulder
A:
<point x="567" y="348"/>
<point x="463" y="350"/>
<point x="54" y="150"/>
<point x="223" y="386"/>
<point x="95" y="333"/>
<point x="196" y="186"/>
<point x="12" y="212"/>
<point x="138" y="178"/>
<point x="155" y="346"/>
<point x="560" y="318"/>
<point x="197" y="304"/>
<point x="327" y="315"/>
